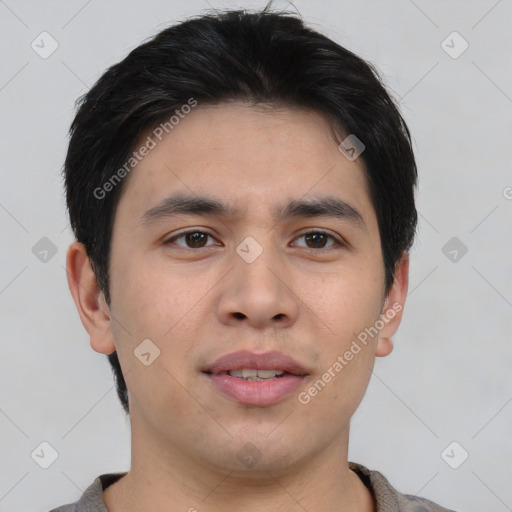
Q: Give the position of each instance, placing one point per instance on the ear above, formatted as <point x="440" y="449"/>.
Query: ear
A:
<point x="89" y="299"/>
<point x="392" y="312"/>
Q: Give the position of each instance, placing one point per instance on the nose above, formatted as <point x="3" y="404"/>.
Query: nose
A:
<point x="259" y="294"/>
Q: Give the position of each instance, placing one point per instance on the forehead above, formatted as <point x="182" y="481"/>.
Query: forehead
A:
<point x="251" y="157"/>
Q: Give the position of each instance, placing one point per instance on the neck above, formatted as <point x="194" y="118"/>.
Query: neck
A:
<point x="167" y="480"/>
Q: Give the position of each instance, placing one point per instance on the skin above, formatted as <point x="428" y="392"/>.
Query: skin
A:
<point x="308" y="301"/>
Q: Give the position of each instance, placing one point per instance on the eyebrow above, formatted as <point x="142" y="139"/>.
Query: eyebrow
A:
<point x="182" y="204"/>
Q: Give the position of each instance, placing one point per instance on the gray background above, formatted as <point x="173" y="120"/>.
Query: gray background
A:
<point x="448" y="378"/>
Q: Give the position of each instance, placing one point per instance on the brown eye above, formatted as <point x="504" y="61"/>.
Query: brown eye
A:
<point x="192" y="239"/>
<point x="196" y="239"/>
<point x="318" y="240"/>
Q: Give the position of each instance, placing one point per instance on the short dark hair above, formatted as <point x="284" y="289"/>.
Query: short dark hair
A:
<point x="263" y="58"/>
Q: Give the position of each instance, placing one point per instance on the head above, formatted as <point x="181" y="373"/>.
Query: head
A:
<point x="248" y="110"/>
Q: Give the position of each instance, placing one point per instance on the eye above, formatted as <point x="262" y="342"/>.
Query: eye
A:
<point x="318" y="239"/>
<point x="193" y="239"/>
<point x="196" y="239"/>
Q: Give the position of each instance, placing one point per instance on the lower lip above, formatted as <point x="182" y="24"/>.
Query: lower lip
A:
<point x="256" y="393"/>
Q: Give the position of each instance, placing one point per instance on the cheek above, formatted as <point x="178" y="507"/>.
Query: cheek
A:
<point x="152" y="300"/>
<point x="344" y="302"/>
<point x="158" y="392"/>
<point x="148" y="305"/>
<point x="346" y="361"/>
<point x="162" y="306"/>
<point x="344" y="311"/>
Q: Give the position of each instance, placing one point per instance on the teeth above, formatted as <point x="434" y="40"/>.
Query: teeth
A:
<point x="268" y="374"/>
<point x="253" y="374"/>
<point x="249" y="373"/>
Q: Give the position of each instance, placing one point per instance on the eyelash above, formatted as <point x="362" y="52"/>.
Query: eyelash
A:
<point x="316" y="231"/>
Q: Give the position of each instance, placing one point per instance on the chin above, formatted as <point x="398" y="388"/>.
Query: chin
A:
<point x="256" y="454"/>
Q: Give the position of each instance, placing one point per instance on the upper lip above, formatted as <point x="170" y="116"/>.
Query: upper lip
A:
<point x="272" y="360"/>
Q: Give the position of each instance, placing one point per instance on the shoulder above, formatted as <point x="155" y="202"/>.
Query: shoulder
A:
<point x="65" y="508"/>
<point x="388" y="498"/>
<point x="92" y="498"/>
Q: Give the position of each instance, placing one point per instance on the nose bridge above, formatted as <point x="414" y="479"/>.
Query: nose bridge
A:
<point x="257" y="288"/>
<point x="258" y="263"/>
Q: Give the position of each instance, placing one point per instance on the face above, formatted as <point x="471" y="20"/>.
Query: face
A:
<point x="262" y="277"/>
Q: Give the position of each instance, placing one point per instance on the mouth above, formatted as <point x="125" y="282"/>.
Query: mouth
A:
<point x="252" y="374"/>
<point x="255" y="379"/>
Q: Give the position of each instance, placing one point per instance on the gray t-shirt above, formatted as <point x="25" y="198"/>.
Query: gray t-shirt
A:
<point x="388" y="499"/>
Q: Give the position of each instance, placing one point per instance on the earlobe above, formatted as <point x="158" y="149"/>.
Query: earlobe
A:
<point x="384" y="346"/>
<point x="89" y="299"/>
<point x="391" y="316"/>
